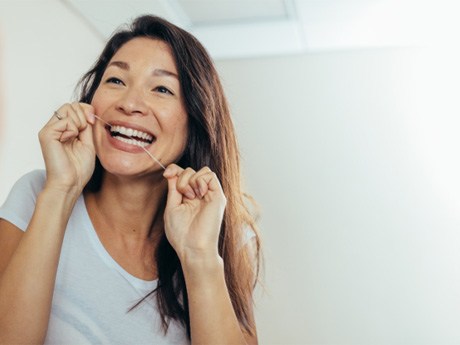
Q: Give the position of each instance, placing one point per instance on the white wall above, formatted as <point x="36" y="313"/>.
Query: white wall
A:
<point x="351" y="155"/>
<point x="46" y="49"/>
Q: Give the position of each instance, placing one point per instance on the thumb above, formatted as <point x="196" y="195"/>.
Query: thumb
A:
<point x="89" y="112"/>
<point x="174" y="197"/>
<point x="86" y="136"/>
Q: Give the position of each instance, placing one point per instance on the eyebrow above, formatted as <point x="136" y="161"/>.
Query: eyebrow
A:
<point x="162" y="72"/>
<point x="120" y="64"/>
<point x="157" y="72"/>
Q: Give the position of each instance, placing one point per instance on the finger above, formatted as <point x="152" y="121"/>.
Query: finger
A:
<point x="214" y="183"/>
<point x="86" y="136"/>
<point x="89" y="112"/>
<point x="171" y="173"/>
<point x="172" y="170"/>
<point x="71" y="131"/>
<point x="209" y="182"/>
<point x="59" y="115"/>
<point x="79" y="115"/>
<point x="82" y="113"/>
<point x="73" y="126"/>
<point x="202" y="186"/>
<point x="194" y="181"/>
<point x="85" y="113"/>
<point x="63" y="125"/>
<point x="174" y="197"/>
<point x="62" y="114"/>
<point x="183" y="183"/>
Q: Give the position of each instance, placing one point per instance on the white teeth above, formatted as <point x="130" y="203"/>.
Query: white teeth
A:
<point x="131" y="133"/>
<point x="132" y="141"/>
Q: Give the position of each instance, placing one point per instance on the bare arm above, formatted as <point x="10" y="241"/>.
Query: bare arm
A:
<point x="29" y="263"/>
<point x="212" y="318"/>
<point x="192" y="226"/>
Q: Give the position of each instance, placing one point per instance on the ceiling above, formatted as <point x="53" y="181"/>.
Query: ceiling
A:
<point x="251" y="28"/>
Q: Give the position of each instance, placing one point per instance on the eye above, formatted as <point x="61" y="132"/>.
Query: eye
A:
<point x="162" y="89"/>
<point x="113" y="80"/>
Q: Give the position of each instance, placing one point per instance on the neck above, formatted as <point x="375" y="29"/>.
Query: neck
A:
<point x="127" y="216"/>
<point x="128" y="207"/>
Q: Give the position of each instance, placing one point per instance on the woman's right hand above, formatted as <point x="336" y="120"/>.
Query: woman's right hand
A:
<point x="68" y="148"/>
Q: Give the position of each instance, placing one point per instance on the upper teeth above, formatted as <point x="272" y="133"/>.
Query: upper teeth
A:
<point x="129" y="132"/>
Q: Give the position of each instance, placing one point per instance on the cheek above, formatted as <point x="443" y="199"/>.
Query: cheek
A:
<point x="99" y="101"/>
<point x="181" y="129"/>
<point x="174" y="121"/>
<point x="180" y="124"/>
<point x="177" y="129"/>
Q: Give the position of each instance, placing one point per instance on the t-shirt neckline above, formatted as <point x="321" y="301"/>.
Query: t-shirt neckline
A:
<point x="145" y="286"/>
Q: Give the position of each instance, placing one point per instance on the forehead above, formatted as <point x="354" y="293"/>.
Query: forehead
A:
<point x="146" y="51"/>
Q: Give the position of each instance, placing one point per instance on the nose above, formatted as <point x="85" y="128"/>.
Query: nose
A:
<point x="132" y="102"/>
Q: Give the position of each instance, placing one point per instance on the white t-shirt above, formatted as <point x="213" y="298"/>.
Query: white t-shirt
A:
<point x="93" y="293"/>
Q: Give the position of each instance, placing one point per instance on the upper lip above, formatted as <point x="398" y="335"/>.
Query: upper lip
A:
<point x="134" y="127"/>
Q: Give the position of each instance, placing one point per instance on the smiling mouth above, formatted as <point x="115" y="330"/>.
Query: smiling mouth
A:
<point x="131" y="136"/>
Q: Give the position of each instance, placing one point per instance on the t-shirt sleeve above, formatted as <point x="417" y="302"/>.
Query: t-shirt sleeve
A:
<point x="20" y="203"/>
<point x="250" y="244"/>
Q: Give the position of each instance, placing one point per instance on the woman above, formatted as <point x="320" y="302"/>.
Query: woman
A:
<point x="107" y="247"/>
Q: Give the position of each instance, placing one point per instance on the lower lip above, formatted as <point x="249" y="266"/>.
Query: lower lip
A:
<point x="120" y="145"/>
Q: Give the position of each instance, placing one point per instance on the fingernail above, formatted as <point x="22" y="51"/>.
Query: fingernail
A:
<point x="92" y="118"/>
<point x="200" y="192"/>
<point x="167" y="172"/>
<point x="190" y="195"/>
<point x="65" y="136"/>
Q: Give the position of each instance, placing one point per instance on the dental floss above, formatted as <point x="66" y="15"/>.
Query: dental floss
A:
<point x="146" y="151"/>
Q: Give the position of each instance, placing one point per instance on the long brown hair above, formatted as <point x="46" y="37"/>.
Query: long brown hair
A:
<point x="211" y="142"/>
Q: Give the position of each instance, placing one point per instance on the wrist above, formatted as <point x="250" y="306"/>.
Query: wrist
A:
<point x="56" y="206"/>
<point x="204" y="274"/>
<point x="60" y="190"/>
<point x="60" y="194"/>
<point x="201" y="262"/>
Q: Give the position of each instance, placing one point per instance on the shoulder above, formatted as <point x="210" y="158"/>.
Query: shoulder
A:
<point x="30" y="183"/>
<point x="247" y="236"/>
<point x="20" y="203"/>
<point x="34" y="179"/>
<point x="250" y="243"/>
<point x="28" y="187"/>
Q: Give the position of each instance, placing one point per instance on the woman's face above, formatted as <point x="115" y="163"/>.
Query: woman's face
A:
<point x="140" y="96"/>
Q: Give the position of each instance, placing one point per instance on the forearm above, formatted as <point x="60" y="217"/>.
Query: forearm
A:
<point x="27" y="284"/>
<point x="212" y="317"/>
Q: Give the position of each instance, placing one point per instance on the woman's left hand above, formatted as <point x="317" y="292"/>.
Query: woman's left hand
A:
<point x="194" y="212"/>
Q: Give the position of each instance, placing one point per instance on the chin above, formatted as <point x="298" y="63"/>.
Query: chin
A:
<point x="126" y="167"/>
